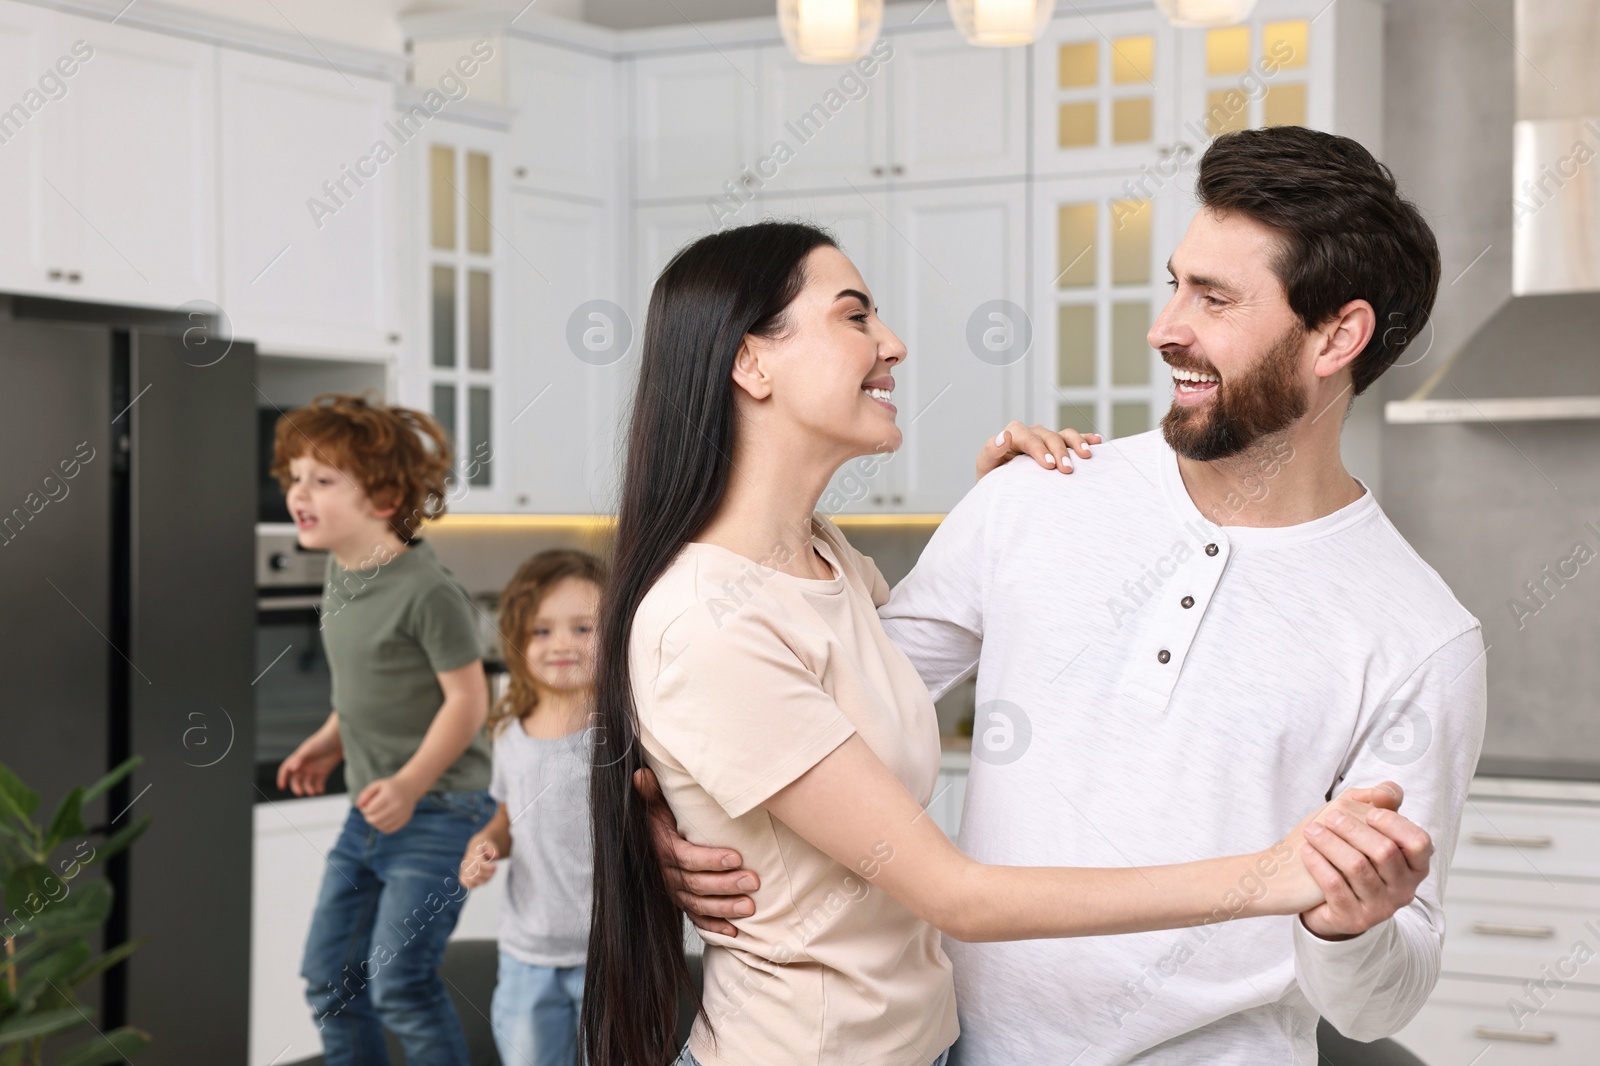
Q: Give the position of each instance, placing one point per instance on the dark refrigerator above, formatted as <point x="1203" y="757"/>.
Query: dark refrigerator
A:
<point x="127" y="500"/>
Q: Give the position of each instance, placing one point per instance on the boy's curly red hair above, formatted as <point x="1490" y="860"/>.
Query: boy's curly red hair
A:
<point x="398" y="456"/>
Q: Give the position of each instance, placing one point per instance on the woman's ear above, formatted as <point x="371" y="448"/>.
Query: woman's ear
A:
<point x="749" y="371"/>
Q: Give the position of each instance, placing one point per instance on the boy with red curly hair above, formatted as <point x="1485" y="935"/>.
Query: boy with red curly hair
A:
<point x="409" y="703"/>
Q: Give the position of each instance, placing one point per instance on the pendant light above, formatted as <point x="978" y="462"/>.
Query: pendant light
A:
<point x="1001" y="23"/>
<point x="829" y="31"/>
<point x="1206" y="13"/>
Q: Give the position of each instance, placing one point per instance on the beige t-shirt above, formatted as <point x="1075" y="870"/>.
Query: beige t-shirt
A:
<point x="744" y="678"/>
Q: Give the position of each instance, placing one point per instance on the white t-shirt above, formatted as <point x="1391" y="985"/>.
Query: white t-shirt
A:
<point x="1153" y="688"/>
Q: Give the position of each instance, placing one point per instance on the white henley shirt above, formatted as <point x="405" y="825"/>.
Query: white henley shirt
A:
<point x="1153" y="688"/>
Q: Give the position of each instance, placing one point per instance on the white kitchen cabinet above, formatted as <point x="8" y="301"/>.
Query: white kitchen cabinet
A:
<point x="658" y="231"/>
<point x="1511" y="927"/>
<point x="1104" y="93"/>
<point x="1099" y="278"/>
<point x="959" y="258"/>
<point x="310" y="198"/>
<point x="1520" y="976"/>
<point x="1292" y="62"/>
<point x="118" y="208"/>
<point x="1468" y="1021"/>
<point x="696" y="124"/>
<point x="568" y="129"/>
<point x="949" y="794"/>
<point x="957" y="112"/>
<point x="460" y="250"/>
<point x="832" y="122"/>
<point x="572" y="358"/>
<point x="27" y="53"/>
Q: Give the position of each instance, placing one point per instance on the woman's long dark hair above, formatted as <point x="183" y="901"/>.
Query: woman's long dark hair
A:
<point x="715" y="291"/>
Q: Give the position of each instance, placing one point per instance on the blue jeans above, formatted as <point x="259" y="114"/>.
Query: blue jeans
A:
<point x="388" y="904"/>
<point x="535" y="1013"/>
<point x="686" y="1059"/>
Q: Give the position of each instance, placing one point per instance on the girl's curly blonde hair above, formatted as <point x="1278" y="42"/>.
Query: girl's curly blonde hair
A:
<point x="519" y="606"/>
<point x="398" y="456"/>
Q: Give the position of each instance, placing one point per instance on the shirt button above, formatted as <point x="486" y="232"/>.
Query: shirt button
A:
<point x="1164" y="656"/>
<point x="1211" y="549"/>
<point x="1188" y="601"/>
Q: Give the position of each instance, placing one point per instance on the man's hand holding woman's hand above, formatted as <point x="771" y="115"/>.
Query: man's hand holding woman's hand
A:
<point x="1356" y="861"/>
<point x="1367" y="864"/>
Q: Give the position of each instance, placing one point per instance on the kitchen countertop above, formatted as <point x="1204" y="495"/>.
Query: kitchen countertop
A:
<point x="1538" y="769"/>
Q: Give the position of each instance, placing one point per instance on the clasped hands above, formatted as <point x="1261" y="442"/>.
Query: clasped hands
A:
<point x="1356" y="861"/>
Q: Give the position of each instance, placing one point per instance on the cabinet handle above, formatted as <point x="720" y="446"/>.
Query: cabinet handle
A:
<point x="877" y="499"/>
<point x="74" y="276"/>
<point x="54" y="275"/>
<point x="897" y="499"/>
<point x="877" y="172"/>
<point x="1497" y="840"/>
<point x="394" y="338"/>
<point x="898" y="169"/>
<point x="520" y="172"/>
<point x="1515" y="1036"/>
<point x="1533" y="932"/>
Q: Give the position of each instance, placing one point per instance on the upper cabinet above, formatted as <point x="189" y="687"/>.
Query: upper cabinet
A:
<point x="696" y="119"/>
<point x="310" y="195"/>
<point x="1104" y="93"/>
<point x="461" y="371"/>
<point x="109" y="158"/>
<point x="958" y="270"/>
<point x="823" y="127"/>
<point x="957" y="112"/>
<point x="567" y="131"/>
<point x="572" y="355"/>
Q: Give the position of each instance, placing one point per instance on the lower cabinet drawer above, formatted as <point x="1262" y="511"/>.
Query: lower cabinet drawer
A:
<point x="1529" y="839"/>
<point x="1467" y="1021"/>
<point x="1518" y="929"/>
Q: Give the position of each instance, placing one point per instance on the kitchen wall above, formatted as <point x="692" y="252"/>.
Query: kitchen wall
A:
<point x="1490" y="506"/>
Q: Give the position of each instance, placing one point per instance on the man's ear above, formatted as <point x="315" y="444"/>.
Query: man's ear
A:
<point x="1345" y="335"/>
<point x="749" y="371"/>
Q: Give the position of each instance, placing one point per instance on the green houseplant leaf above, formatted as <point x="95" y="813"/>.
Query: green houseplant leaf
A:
<point x="114" y="1046"/>
<point x="16" y="799"/>
<point x="39" y="1024"/>
<point x="106" y="783"/>
<point x="67" y="822"/>
<point x="119" y="840"/>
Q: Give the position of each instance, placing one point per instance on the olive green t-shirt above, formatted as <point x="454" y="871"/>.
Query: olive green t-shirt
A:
<point x="387" y="630"/>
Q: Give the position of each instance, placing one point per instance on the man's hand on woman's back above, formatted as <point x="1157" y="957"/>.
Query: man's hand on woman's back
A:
<point x="706" y="882"/>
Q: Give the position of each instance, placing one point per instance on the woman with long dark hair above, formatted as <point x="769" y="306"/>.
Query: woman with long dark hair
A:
<point x="741" y="659"/>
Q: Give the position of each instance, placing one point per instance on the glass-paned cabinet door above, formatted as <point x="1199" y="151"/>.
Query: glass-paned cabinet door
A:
<point x="1265" y="71"/>
<point x="1105" y="87"/>
<point x="1100" y="251"/>
<point x="461" y="241"/>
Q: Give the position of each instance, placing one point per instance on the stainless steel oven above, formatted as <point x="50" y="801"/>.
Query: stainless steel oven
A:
<point x="292" y="682"/>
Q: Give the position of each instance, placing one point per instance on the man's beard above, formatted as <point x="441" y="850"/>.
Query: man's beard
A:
<point x="1263" y="401"/>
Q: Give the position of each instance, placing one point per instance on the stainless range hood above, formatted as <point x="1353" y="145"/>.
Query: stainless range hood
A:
<point x="1520" y="365"/>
